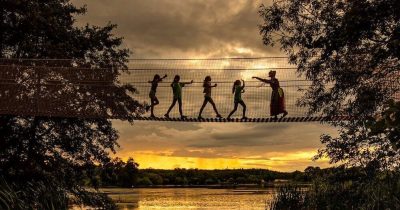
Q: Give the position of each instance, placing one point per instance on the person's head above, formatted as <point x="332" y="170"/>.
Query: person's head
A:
<point x="156" y="77"/>
<point x="236" y="83"/>
<point x="177" y="78"/>
<point x="272" y="74"/>
<point x="206" y="80"/>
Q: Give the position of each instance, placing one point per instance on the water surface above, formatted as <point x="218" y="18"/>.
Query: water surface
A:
<point x="190" y="198"/>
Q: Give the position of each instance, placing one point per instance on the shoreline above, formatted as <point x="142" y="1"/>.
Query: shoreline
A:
<point x="257" y="186"/>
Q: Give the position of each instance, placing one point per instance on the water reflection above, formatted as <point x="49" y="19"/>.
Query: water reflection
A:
<point x="191" y="198"/>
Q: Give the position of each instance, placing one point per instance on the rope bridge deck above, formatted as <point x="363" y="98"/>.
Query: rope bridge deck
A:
<point x="248" y="120"/>
<point x="68" y="88"/>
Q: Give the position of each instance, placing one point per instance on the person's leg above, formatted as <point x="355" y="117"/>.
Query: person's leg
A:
<point x="152" y="108"/>
<point x="234" y="110"/>
<point x="203" y="106"/>
<point x="244" y="108"/>
<point x="214" y="107"/>
<point x="284" y="114"/>
<point x="282" y="106"/>
<point x="274" y="105"/>
<point x="180" y="107"/>
<point x="148" y="107"/>
<point x="154" y="102"/>
<point x="172" y="106"/>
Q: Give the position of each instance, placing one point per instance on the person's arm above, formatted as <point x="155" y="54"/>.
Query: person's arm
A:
<point x="243" y="86"/>
<point x="187" y="83"/>
<point x="161" y="79"/>
<point x="262" y="80"/>
<point x="215" y="85"/>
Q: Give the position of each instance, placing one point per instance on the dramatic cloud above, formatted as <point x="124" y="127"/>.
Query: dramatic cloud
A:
<point x="165" y="28"/>
<point x="280" y="145"/>
<point x="198" y="28"/>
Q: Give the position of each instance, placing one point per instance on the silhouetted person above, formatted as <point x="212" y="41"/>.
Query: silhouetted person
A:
<point x="238" y="89"/>
<point x="207" y="96"/>
<point x="277" y="105"/>
<point x="177" y="91"/>
<point x="153" y="98"/>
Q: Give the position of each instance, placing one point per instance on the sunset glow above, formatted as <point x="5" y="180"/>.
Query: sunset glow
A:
<point x="284" y="162"/>
<point x="224" y="29"/>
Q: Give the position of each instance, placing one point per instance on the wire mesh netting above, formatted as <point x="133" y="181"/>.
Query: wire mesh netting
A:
<point x="78" y="88"/>
<point x="223" y="72"/>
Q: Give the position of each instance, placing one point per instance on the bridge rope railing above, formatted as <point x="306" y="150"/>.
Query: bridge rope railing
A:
<point x="57" y="81"/>
<point x="223" y="72"/>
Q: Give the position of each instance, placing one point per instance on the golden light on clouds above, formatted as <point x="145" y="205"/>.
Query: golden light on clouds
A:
<point x="278" y="161"/>
<point x="280" y="147"/>
<point x="196" y="28"/>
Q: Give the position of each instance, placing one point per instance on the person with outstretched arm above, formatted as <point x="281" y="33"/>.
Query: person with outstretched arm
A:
<point x="153" y="98"/>
<point x="177" y="92"/>
<point x="277" y="105"/>
<point x="207" y="97"/>
<point x="237" y="90"/>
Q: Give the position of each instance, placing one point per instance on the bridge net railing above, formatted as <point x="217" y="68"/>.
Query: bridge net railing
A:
<point x="223" y="73"/>
<point x="74" y="88"/>
<point x="77" y="88"/>
<point x="57" y="88"/>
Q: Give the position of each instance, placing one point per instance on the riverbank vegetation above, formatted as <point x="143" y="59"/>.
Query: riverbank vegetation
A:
<point x="341" y="188"/>
<point x="118" y="173"/>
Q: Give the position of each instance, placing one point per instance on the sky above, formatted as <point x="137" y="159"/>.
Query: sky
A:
<point x="202" y="29"/>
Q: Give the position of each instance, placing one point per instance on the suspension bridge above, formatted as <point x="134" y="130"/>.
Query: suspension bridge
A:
<point x="73" y="88"/>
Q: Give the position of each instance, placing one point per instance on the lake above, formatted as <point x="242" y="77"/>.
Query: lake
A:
<point x="191" y="198"/>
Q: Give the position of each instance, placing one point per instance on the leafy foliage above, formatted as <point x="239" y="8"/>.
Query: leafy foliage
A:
<point x="350" y="52"/>
<point x="119" y="173"/>
<point x="126" y="174"/>
<point x="55" y="150"/>
<point x="32" y="195"/>
<point x="374" y="143"/>
<point x="341" y="188"/>
<point x="289" y="197"/>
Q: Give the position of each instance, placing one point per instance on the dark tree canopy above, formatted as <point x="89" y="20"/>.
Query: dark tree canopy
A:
<point x="51" y="149"/>
<point x="350" y="51"/>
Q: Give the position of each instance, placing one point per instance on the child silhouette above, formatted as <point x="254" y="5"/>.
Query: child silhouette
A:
<point x="177" y="92"/>
<point x="207" y="96"/>
<point x="153" y="98"/>
<point x="237" y="90"/>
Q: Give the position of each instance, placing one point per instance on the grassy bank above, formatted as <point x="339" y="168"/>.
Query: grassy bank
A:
<point x="343" y="189"/>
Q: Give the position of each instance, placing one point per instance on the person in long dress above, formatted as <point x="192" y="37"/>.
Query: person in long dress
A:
<point x="277" y="105"/>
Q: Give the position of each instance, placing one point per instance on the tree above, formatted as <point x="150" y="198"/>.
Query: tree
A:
<point x="59" y="149"/>
<point x="128" y="175"/>
<point x="156" y="179"/>
<point x="350" y="52"/>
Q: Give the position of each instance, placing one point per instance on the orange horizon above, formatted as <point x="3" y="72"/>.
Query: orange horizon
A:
<point x="282" y="162"/>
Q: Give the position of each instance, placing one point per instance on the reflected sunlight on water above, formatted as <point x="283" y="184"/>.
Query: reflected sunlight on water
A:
<point x="190" y="198"/>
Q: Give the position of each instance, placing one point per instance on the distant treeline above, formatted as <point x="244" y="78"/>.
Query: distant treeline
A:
<point x="126" y="174"/>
